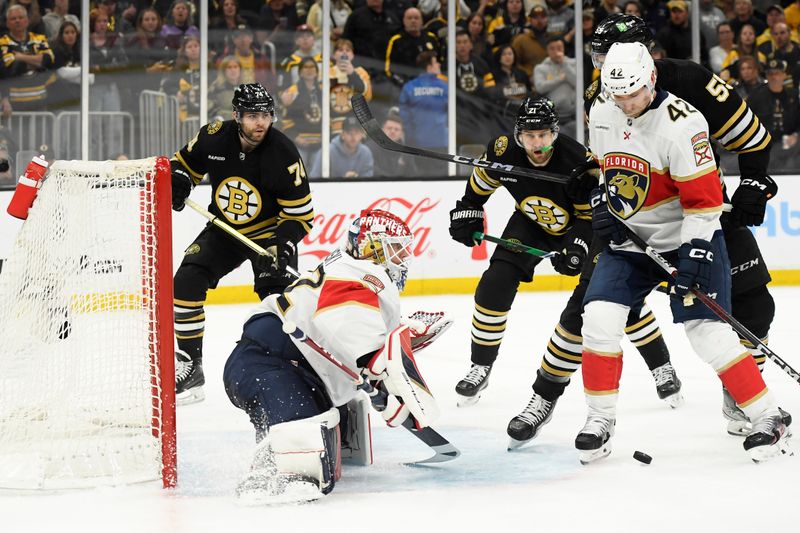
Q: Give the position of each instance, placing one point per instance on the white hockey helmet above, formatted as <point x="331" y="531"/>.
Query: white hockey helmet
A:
<point x="384" y="239"/>
<point x="627" y="68"/>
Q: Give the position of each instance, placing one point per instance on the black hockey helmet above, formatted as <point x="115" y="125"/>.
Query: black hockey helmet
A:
<point x="253" y="97"/>
<point x="536" y="113"/>
<point x="619" y="28"/>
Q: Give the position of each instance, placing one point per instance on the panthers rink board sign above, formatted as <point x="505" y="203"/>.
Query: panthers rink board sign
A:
<point x="441" y="265"/>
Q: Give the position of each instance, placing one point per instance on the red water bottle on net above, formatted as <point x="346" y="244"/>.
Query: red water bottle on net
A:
<point x="27" y="187"/>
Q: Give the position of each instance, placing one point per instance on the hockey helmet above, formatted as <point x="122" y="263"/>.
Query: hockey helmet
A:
<point x="384" y="239"/>
<point x="253" y="97"/>
<point x="536" y="113"/>
<point x="628" y="67"/>
<point x="618" y="28"/>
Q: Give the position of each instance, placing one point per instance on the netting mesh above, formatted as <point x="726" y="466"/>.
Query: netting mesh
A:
<point x="79" y="380"/>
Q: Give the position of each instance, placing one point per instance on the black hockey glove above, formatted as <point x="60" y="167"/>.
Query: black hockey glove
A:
<point x="694" y="267"/>
<point x="569" y="260"/>
<point x="582" y="180"/>
<point x="465" y="220"/>
<point x="604" y="224"/>
<point x="750" y="200"/>
<point x="279" y="253"/>
<point x="181" y="187"/>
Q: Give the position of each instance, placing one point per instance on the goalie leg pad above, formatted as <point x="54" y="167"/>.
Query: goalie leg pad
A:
<point x="357" y="431"/>
<point x="309" y="448"/>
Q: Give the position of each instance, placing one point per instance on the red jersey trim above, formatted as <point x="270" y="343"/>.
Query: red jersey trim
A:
<point x="335" y="293"/>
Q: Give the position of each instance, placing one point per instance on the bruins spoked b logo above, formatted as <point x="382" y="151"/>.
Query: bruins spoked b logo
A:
<point x="551" y="217"/>
<point x="627" y="181"/>
<point x="238" y="200"/>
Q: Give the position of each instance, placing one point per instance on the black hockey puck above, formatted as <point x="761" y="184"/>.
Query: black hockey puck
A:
<point x="642" y="457"/>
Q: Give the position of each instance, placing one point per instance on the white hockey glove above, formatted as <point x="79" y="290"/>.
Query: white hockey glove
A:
<point x="396" y="370"/>
<point x="426" y="327"/>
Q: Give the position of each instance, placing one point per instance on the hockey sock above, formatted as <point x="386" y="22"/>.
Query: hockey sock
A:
<point x="547" y="388"/>
<point x="742" y="380"/>
<point x="189" y="327"/>
<point x="643" y="331"/>
<point x="601" y="374"/>
<point x="562" y="358"/>
<point x="758" y="356"/>
<point x="493" y="298"/>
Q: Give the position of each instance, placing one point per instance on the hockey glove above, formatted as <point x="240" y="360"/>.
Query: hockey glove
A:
<point x="694" y="267"/>
<point x="750" y="200"/>
<point x="569" y="261"/>
<point x="604" y="224"/>
<point x="279" y="253"/>
<point x="582" y="180"/>
<point x="181" y="187"/>
<point x="465" y="220"/>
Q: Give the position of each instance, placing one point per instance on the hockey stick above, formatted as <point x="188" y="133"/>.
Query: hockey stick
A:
<point x="512" y="245"/>
<point x="715" y="308"/>
<point x="375" y="132"/>
<point x="235" y="234"/>
<point x="443" y="450"/>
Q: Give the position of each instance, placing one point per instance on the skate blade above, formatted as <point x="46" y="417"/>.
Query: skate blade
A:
<point x="514" y="444"/>
<point x="188" y="397"/>
<point x="300" y="492"/>
<point x="739" y="428"/>
<point x="762" y="454"/>
<point x="467" y="401"/>
<point x="676" y="400"/>
<point x="590" y="456"/>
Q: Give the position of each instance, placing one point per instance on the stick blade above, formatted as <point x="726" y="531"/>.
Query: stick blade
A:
<point x="444" y="453"/>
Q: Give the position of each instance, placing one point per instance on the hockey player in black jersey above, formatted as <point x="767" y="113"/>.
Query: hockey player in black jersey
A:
<point x="259" y="187"/>
<point x="546" y="218"/>
<point x="734" y="126"/>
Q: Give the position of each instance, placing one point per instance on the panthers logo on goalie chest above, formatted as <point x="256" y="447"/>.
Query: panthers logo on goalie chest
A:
<point x="627" y="182"/>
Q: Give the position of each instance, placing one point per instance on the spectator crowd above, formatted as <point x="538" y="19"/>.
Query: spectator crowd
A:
<point x="391" y="51"/>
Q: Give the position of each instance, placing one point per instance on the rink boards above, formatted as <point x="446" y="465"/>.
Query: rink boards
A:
<point x="442" y="266"/>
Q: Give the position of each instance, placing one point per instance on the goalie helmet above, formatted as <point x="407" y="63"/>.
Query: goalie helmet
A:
<point x="618" y="28"/>
<point x="536" y="113"/>
<point x="253" y="97"/>
<point x="384" y="239"/>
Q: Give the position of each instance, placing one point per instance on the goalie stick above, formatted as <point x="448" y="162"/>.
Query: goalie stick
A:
<point x="374" y="131"/>
<point x="443" y="450"/>
<point x="717" y="309"/>
<point x="512" y="245"/>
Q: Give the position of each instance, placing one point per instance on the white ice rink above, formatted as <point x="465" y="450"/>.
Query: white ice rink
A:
<point x="700" y="479"/>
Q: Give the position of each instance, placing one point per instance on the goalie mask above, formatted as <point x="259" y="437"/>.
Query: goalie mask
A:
<point x="384" y="239"/>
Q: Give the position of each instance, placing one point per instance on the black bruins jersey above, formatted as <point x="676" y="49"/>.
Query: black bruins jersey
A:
<point x="730" y="121"/>
<point x="260" y="193"/>
<point x="543" y="202"/>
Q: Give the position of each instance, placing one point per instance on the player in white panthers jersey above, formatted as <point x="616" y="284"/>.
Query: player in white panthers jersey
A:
<point x="349" y="305"/>
<point x="659" y="178"/>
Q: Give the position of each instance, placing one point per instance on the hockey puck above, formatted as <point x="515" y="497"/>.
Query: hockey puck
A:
<point x="642" y="457"/>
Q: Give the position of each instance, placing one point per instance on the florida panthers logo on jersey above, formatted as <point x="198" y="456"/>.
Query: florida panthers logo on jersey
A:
<point x="238" y="200"/>
<point x="551" y="217"/>
<point x="627" y="181"/>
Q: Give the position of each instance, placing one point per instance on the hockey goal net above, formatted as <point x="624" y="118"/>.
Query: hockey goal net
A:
<point x="86" y="358"/>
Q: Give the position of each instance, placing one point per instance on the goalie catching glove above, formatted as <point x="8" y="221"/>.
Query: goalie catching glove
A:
<point x="426" y="327"/>
<point x="396" y="372"/>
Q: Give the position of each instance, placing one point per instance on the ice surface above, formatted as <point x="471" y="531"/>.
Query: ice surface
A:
<point x="700" y="478"/>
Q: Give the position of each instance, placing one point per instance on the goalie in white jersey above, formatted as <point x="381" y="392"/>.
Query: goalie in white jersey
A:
<point x="296" y="399"/>
<point x="660" y="178"/>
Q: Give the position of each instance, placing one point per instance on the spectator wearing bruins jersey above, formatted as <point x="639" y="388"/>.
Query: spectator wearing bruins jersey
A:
<point x="259" y="187"/>
<point x="546" y="218"/>
<point x="27" y="63"/>
<point x="736" y="127"/>
<point x="475" y="83"/>
<point x="346" y="80"/>
<point x="404" y="48"/>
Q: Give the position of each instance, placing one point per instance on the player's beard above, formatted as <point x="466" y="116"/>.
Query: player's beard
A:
<point x="250" y="137"/>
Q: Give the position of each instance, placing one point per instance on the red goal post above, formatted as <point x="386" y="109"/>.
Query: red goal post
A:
<point x="87" y="392"/>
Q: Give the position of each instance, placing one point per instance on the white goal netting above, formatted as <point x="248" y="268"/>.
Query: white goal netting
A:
<point x="82" y="401"/>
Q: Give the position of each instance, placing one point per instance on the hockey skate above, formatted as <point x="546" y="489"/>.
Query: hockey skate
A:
<point x="768" y="438"/>
<point x="738" y="423"/>
<point x="668" y="386"/>
<point x="189" y="379"/>
<point x="266" y="487"/>
<point x="469" y="389"/>
<point x="524" y="427"/>
<point x="594" y="440"/>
